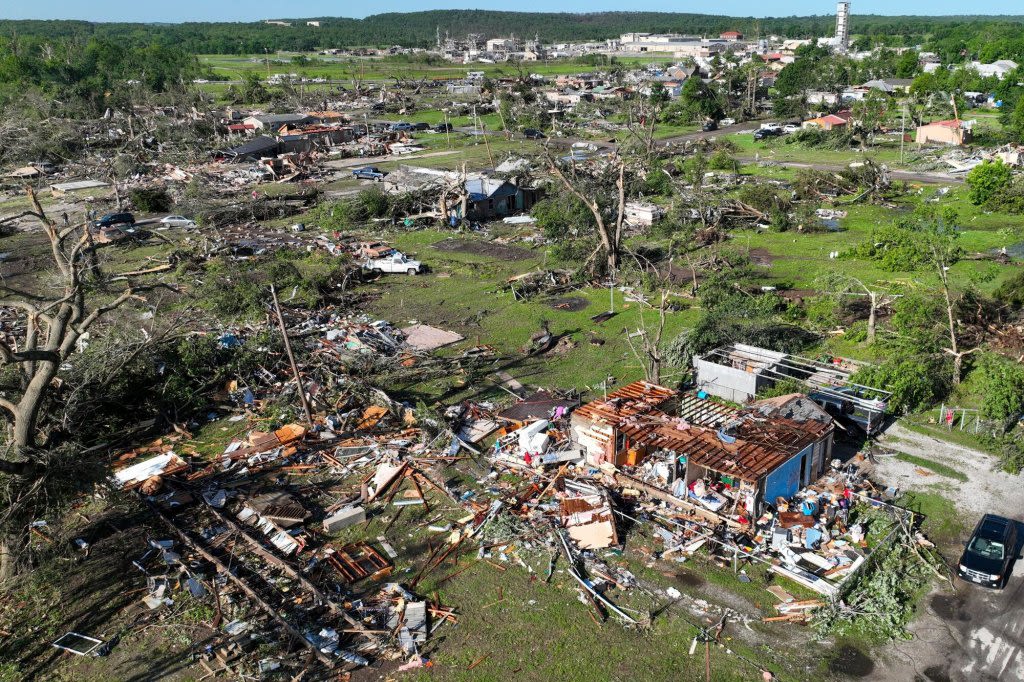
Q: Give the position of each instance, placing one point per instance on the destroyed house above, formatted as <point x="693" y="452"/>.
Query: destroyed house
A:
<point x="739" y="460"/>
<point x="598" y="426"/>
<point x="273" y="122"/>
<point x="486" y="197"/>
<point x="256" y="148"/>
<point x="307" y="138"/>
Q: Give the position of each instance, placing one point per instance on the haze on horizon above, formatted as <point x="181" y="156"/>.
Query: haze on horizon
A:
<point x="255" y="10"/>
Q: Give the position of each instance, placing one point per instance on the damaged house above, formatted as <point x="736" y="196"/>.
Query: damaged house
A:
<point x="739" y="372"/>
<point x="473" y="196"/>
<point x="726" y="460"/>
<point x="252" y="150"/>
<point x="273" y="122"/>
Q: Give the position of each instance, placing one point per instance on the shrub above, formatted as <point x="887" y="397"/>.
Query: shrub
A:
<point x="986" y="179"/>
<point x="721" y="160"/>
<point x="1002" y="388"/>
<point x="155" y="200"/>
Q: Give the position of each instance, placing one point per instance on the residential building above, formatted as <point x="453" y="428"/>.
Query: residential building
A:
<point x="826" y="122"/>
<point x="256" y="148"/>
<point x="1000" y="69"/>
<point x="272" y="122"/>
<point x="598" y="426"/>
<point x="954" y="132"/>
<point x="707" y="453"/>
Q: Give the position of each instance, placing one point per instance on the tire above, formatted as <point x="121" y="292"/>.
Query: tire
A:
<point x="412" y="271"/>
<point x="376" y="271"/>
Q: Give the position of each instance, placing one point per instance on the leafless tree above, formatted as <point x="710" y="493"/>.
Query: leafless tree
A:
<point x="648" y="348"/>
<point x="53" y="325"/>
<point x="877" y="298"/>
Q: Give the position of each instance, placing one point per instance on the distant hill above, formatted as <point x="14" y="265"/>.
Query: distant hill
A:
<point x="418" y="29"/>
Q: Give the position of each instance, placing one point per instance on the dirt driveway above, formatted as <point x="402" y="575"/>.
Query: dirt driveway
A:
<point x="972" y="634"/>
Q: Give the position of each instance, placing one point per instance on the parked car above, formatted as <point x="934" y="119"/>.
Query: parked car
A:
<point x="533" y="134"/>
<point x="709" y="126"/>
<point x="421" y="126"/>
<point x="989" y="555"/>
<point x="398" y="127"/>
<point x="115" y="219"/>
<point x="727" y="122"/>
<point x="369" y="173"/>
<point x="177" y="221"/>
<point x="395" y="263"/>
<point x="765" y="133"/>
<point x="790" y="128"/>
<point x="443" y="128"/>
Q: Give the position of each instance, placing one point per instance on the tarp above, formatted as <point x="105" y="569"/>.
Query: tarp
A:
<point x="424" y="337"/>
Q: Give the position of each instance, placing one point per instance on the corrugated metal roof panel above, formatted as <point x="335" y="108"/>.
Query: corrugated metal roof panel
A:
<point x="638" y="397"/>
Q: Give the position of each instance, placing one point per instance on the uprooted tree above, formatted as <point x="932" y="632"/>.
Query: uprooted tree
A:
<point x="53" y="324"/>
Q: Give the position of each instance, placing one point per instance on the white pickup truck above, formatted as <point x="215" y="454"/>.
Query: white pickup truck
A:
<point x="395" y="263"/>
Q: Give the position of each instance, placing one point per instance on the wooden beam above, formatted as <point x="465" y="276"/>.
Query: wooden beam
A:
<point x="194" y="544"/>
<point x="258" y="547"/>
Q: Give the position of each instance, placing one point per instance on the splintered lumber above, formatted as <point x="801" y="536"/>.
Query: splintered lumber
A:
<point x="186" y="537"/>
<point x="357" y="561"/>
<point x="258" y="547"/>
<point x="627" y="481"/>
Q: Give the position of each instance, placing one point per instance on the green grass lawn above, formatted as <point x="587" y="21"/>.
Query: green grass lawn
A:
<point x="943" y="522"/>
<point x="466" y="292"/>
<point x="777" y="149"/>
<point x="931" y="465"/>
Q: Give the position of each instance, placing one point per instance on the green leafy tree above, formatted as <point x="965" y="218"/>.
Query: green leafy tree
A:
<point x="1002" y="388"/>
<point x="987" y="179"/>
<point x="1017" y="121"/>
<point x="868" y="115"/>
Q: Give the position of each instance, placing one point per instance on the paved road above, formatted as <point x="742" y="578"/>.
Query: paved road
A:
<point x="983" y="637"/>
<point x="701" y="135"/>
<point x="973" y="634"/>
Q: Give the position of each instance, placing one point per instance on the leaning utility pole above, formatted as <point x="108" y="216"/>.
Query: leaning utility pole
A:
<point x="291" y="357"/>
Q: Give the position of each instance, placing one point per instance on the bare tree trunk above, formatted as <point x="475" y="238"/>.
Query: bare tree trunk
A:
<point x="954" y="349"/>
<point x="611" y="237"/>
<point x="872" y="316"/>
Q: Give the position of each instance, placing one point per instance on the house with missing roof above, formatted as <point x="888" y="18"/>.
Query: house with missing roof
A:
<point x="486" y="196"/>
<point x="954" y="132"/>
<point x="730" y="461"/>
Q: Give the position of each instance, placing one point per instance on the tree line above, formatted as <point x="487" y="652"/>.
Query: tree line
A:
<point x="89" y="71"/>
<point x="419" y="29"/>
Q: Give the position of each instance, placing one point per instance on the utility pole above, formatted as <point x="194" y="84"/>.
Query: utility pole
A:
<point x="291" y="357"/>
<point x="903" y="131"/>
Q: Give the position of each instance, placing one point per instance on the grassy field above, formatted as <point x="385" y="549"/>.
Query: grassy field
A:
<point x="465" y="292"/>
<point x="777" y="149"/>
<point x="389" y="68"/>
